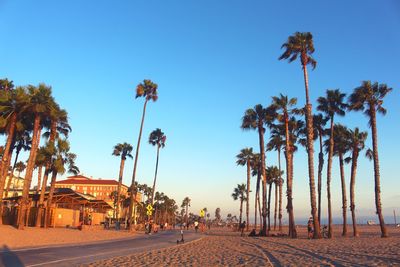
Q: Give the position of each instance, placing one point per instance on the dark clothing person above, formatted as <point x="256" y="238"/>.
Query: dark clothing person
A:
<point x="242" y="226"/>
<point x="253" y="232"/>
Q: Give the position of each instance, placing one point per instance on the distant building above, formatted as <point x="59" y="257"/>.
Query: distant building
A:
<point x="14" y="184"/>
<point x="99" y="188"/>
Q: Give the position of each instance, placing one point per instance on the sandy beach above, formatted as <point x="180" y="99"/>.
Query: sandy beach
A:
<point x="223" y="247"/>
<point x="36" y="237"/>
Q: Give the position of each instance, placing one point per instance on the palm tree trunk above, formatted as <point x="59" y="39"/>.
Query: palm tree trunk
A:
<point x="328" y="181"/>
<point x="310" y="153"/>
<point x="352" y="193"/>
<point x="320" y="167"/>
<point x="248" y="194"/>
<point x="378" y="202"/>
<point x="155" y="176"/>
<point x="240" y="210"/>
<point x="264" y="177"/>
<point x="269" y="206"/>
<point x="259" y="208"/>
<point x="276" y="204"/>
<point x="255" y="199"/>
<point x="15" y="160"/>
<point x="50" y="199"/>
<point x="4" y="160"/>
<point x="39" y="179"/>
<point x="280" y="190"/>
<point x="7" y="173"/>
<point x="292" y="226"/>
<point x="41" y="198"/>
<point x="47" y="170"/>
<point x="121" y="173"/>
<point x="133" y="193"/>
<point x="29" y="170"/>
<point x="344" y="198"/>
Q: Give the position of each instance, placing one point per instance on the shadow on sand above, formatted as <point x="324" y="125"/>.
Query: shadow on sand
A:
<point x="9" y="258"/>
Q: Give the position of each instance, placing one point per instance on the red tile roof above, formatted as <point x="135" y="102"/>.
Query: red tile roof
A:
<point x="91" y="181"/>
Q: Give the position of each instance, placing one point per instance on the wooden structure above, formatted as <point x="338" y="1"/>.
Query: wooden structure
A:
<point x="68" y="209"/>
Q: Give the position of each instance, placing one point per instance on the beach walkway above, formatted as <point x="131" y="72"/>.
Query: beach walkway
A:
<point x="71" y="255"/>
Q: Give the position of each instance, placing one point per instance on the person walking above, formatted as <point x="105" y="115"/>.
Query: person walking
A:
<point x="242" y="226"/>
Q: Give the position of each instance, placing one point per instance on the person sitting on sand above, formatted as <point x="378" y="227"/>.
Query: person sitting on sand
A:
<point x="253" y="232"/>
<point x="310" y="227"/>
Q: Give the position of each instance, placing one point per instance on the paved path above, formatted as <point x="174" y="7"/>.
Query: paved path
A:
<point x="70" y="255"/>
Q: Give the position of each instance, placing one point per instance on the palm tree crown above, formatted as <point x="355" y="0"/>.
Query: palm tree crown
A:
<point x="157" y="138"/>
<point x="369" y="96"/>
<point x="300" y="44"/>
<point x="123" y="149"/>
<point x="147" y="89"/>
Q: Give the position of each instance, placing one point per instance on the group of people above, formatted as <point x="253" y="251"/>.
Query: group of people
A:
<point x="151" y="227"/>
<point x="310" y="229"/>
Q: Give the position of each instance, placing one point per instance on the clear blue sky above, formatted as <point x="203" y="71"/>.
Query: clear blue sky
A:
<point x="211" y="60"/>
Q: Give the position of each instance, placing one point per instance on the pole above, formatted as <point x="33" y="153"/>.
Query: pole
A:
<point x="394" y="214"/>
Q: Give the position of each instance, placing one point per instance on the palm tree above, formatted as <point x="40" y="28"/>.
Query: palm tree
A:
<point x="341" y="147"/>
<point x="20" y="167"/>
<point x="239" y="194"/>
<point x="285" y="106"/>
<point x="301" y="45"/>
<point x="276" y="142"/>
<point x="333" y="104"/>
<point x="256" y="171"/>
<point x="254" y="119"/>
<point x="319" y="122"/>
<point x="40" y="105"/>
<point x="356" y="144"/>
<point x="12" y="108"/>
<point x="148" y="90"/>
<point x="244" y="158"/>
<point x="156" y="138"/>
<point x="369" y="98"/>
<point x="273" y="175"/>
<point x="186" y="205"/>
<point x="6" y="85"/>
<point x="121" y="150"/>
<point x="63" y="161"/>
<point x="57" y="124"/>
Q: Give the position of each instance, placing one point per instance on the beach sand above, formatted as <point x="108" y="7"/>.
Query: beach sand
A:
<point x="30" y="236"/>
<point x="223" y="247"/>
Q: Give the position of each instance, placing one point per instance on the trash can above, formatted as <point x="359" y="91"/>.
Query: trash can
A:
<point x="117" y="225"/>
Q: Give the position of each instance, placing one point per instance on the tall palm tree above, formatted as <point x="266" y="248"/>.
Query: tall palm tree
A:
<point x="40" y="106"/>
<point x="276" y="142"/>
<point x="356" y="144"/>
<point x="369" y="98"/>
<point x="148" y="90"/>
<point x="319" y="122"/>
<point x="333" y="104"/>
<point x="122" y="150"/>
<point x="239" y="194"/>
<point x="285" y="107"/>
<point x="156" y="138"/>
<point x="186" y="205"/>
<point x="255" y="119"/>
<point x="57" y="124"/>
<point x="341" y="147"/>
<point x="12" y="108"/>
<point x="244" y="158"/>
<point x="301" y="45"/>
